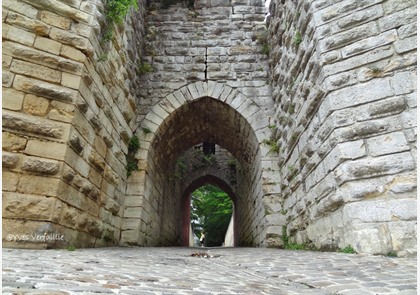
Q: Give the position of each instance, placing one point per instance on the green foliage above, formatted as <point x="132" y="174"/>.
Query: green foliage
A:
<point x="116" y="10"/>
<point x="265" y="49"/>
<point x="296" y="246"/>
<point x="392" y="254"/>
<point x="349" y="249"/>
<point x="146" y="130"/>
<point x="144" y="68"/>
<point x="102" y="57"/>
<point x="274" y="148"/>
<point x="131" y="166"/>
<point x="284" y="237"/>
<point x="71" y="248"/>
<point x="209" y="159"/>
<point x="107" y="35"/>
<point x="375" y="71"/>
<point x="291" y="108"/>
<point x="293" y="172"/>
<point x="292" y="246"/>
<point x="211" y="210"/>
<point x="133" y="146"/>
<point x="232" y="162"/>
<point x="298" y="38"/>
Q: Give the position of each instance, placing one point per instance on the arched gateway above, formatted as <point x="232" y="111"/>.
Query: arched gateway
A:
<point x="315" y="103"/>
<point x="197" y="113"/>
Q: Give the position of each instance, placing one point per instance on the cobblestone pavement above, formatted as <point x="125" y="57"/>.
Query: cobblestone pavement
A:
<point x="227" y="271"/>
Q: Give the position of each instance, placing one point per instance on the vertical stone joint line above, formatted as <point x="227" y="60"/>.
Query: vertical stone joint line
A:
<point x="205" y="69"/>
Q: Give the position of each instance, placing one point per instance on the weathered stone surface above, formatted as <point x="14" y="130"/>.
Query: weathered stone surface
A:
<point x="39" y="165"/>
<point x="337" y="114"/>
<point x="34" y="26"/>
<point x="17" y="205"/>
<point x="90" y="225"/>
<point x="38" y="185"/>
<point x="387" y="144"/>
<point x="385" y="165"/>
<point x="35" y="105"/>
<point x="97" y="161"/>
<point x="47" y="45"/>
<point x="10" y="160"/>
<point x="55" y="20"/>
<point x="380" y="211"/>
<point x="17" y="35"/>
<point x="44" y="89"/>
<point x="40" y="57"/>
<point x="46" y="149"/>
<point x="35" y="71"/>
<point x="9" y="180"/>
<point x="32" y="125"/>
<point x="12" y="99"/>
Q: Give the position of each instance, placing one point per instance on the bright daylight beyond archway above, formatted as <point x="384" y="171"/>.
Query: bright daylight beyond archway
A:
<point x="211" y="215"/>
<point x="204" y="130"/>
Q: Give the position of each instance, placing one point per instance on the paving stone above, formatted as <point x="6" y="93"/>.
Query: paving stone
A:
<point x="227" y="271"/>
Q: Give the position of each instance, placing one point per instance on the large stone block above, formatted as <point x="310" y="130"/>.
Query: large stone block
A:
<point x="34" y="234"/>
<point x="380" y="211"/>
<point x="42" y="58"/>
<point x="16" y="205"/>
<point x="35" y="71"/>
<point x="34" y="26"/>
<point x="45" y="89"/>
<point x="35" y="126"/>
<point x="10" y="160"/>
<point x="46" y="149"/>
<point x="12" y="99"/>
<point x="370" y="167"/>
<point x="9" y="181"/>
<point x="47" y="45"/>
<point x="35" y="105"/>
<point x="90" y="225"/>
<point x="403" y="235"/>
<point x="368" y="238"/>
<point x="17" y="35"/>
<point x="55" y="20"/>
<point x="21" y="7"/>
<point x="38" y="185"/>
<point x="39" y="165"/>
<point x="387" y="144"/>
<point x="13" y="142"/>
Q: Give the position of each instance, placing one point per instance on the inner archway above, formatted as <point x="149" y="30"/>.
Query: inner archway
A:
<point x="211" y="211"/>
<point x="179" y="123"/>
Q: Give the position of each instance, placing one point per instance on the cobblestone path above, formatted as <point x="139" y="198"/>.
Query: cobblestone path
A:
<point x="227" y="271"/>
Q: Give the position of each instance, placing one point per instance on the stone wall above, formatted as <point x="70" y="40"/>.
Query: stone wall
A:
<point x="318" y="111"/>
<point x="68" y="115"/>
<point x="205" y="81"/>
<point x="343" y="78"/>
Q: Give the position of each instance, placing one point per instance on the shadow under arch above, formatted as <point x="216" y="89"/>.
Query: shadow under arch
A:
<point x="199" y="112"/>
<point x="195" y="184"/>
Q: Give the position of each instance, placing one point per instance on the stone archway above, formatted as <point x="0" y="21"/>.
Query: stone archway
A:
<point x="199" y="112"/>
<point x="196" y="183"/>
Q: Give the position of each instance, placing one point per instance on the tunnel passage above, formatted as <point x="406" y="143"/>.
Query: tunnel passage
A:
<point x="173" y="128"/>
<point x="204" y="120"/>
<point x="194" y="183"/>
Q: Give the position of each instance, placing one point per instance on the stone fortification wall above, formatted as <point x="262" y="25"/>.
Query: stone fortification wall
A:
<point x="68" y="113"/>
<point x="343" y="78"/>
<point x="338" y="119"/>
<point x="209" y="56"/>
